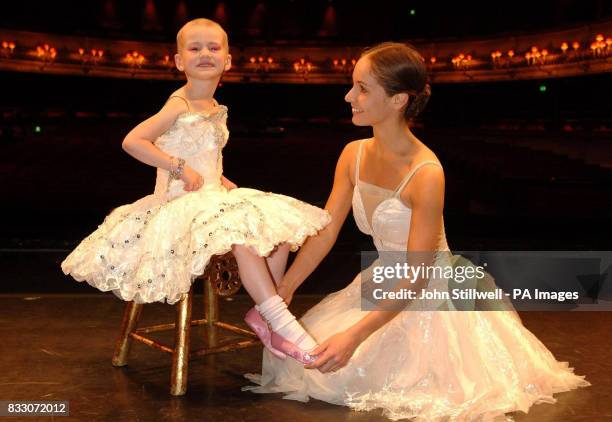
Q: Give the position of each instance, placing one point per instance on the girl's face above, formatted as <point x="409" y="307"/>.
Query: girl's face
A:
<point x="203" y="53"/>
<point x="369" y="101"/>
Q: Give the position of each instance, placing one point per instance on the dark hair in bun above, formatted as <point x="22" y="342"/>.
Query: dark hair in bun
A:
<point x="400" y="68"/>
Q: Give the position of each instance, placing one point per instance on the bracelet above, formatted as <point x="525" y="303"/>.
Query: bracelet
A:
<point x="176" y="174"/>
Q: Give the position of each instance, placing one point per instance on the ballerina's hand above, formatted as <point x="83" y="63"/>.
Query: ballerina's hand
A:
<point x="285" y="292"/>
<point x="334" y="353"/>
<point x="229" y="185"/>
<point x="193" y="180"/>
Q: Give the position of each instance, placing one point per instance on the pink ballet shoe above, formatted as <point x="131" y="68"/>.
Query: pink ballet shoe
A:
<point x="290" y="349"/>
<point x="260" y="327"/>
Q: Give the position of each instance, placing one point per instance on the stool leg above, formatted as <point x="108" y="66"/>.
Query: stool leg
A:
<point x="211" y="313"/>
<point x="130" y="320"/>
<point x="211" y="304"/>
<point x="180" y="357"/>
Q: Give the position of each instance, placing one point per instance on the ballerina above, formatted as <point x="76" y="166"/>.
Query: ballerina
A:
<point x="424" y="364"/>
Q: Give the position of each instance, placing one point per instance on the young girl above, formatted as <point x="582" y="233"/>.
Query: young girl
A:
<point x="151" y="250"/>
<point x="428" y="365"/>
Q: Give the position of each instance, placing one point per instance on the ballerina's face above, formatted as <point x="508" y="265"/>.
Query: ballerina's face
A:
<point x="370" y="104"/>
<point x="203" y="52"/>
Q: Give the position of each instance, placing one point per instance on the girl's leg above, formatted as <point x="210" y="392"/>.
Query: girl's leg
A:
<point x="260" y="277"/>
<point x="259" y="284"/>
<point x="277" y="262"/>
<point x="254" y="274"/>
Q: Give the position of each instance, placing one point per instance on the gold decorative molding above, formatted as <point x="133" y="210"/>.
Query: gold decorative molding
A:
<point x="569" y="52"/>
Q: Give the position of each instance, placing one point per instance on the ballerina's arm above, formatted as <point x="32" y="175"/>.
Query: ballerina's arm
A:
<point x="427" y="203"/>
<point x="139" y="141"/>
<point x="317" y="247"/>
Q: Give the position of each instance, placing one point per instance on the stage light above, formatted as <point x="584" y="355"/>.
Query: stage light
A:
<point x="412" y="12"/>
<point x="600" y="47"/>
<point x="46" y="54"/>
<point x="260" y="63"/>
<point x="8" y="47"/>
<point x="37" y="129"/>
<point x="91" y="58"/>
<point x="134" y="59"/>
<point x="168" y="62"/>
<point x="543" y="88"/>
<point x="303" y="67"/>
<point x="462" y="61"/>
<point x="343" y="66"/>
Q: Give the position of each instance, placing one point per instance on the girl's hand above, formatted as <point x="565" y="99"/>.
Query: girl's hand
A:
<point x="192" y="179"/>
<point x="335" y="352"/>
<point x="229" y="185"/>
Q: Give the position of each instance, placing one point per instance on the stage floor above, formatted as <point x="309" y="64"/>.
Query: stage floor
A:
<point x="59" y="347"/>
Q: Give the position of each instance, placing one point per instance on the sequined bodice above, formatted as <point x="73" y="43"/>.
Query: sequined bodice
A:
<point x="198" y="138"/>
<point x="387" y="219"/>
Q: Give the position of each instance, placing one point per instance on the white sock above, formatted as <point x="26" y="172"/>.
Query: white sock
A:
<point x="274" y="311"/>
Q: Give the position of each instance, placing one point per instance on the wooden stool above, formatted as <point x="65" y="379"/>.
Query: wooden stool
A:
<point x="220" y="279"/>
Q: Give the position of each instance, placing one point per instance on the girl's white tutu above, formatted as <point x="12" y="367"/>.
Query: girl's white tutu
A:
<point x="152" y="249"/>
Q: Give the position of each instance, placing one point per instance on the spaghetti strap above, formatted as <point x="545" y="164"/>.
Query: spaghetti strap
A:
<point x="404" y="182"/>
<point x="357" y="164"/>
<point x="184" y="99"/>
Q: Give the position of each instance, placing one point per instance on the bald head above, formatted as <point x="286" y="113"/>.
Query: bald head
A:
<point x="202" y="22"/>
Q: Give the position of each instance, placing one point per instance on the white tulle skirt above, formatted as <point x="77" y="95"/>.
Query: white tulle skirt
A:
<point x="151" y="250"/>
<point x="425" y="365"/>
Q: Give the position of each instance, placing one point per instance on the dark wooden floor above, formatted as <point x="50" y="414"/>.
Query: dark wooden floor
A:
<point x="59" y="347"/>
